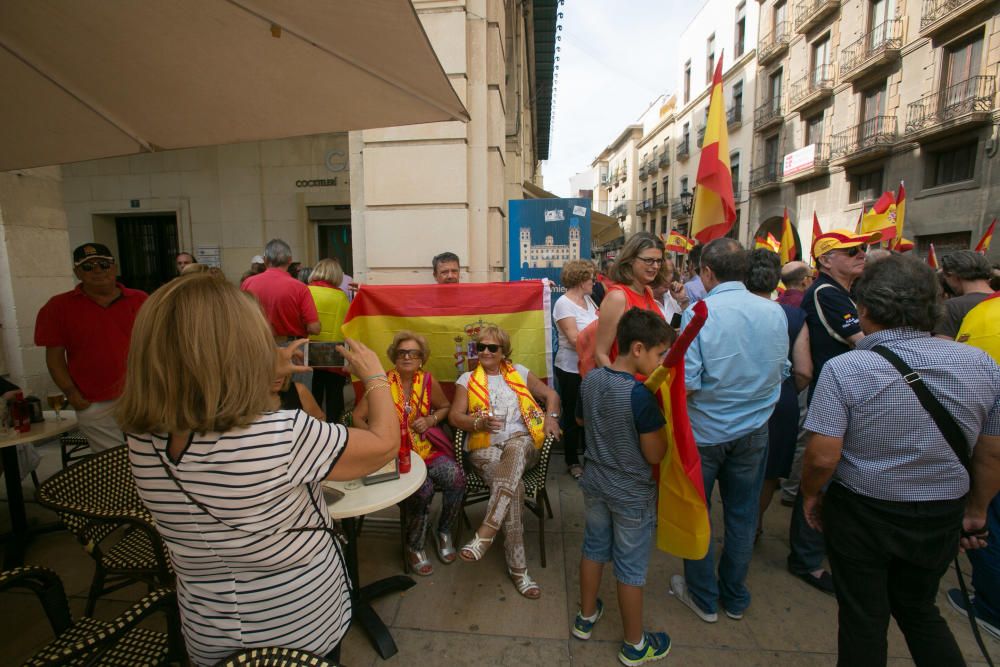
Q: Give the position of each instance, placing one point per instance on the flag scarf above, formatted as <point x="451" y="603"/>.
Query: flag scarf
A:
<point x="677" y="242"/>
<point x="449" y="316"/>
<point x="683" y="528"/>
<point x="817" y="232"/>
<point x="714" y="204"/>
<point x="983" y="246"/>
<point x="931" y="257"/>
<point x="788" y="250"/>
<point x="881" y="217"/>
<point x="419" y="402"/>
<point x="479" y="403"/>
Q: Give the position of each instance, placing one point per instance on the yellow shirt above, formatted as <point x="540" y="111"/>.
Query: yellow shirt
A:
<point x="331" y="304"/>
<point x="981" y="328"/>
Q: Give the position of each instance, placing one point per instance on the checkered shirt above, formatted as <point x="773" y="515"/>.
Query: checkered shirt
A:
<point x="892" y="448"/>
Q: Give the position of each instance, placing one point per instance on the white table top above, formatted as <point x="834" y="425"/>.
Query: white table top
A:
<point x="374" y="497"/>
<point x="50" y="428"/>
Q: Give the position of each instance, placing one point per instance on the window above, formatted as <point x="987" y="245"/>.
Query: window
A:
<point x="686" y="133"/>
<point x="687" y="82"/>
<point x="666" y="187"/>
<point x="737" y="100"/>
<point x="880" y="12"/>
<point x="779" y="18"/>
<point x="710" y="59"/>
<point x="954" y="164"/>
<point x="734" y="169"/>
<point x="962" y="61"/>
<point x="644" y="193"/>
<point x="821" y="60"/>
<point x="684" y="184"/>
<point x="774" y="90"/>
<point x="872" y="111"/>
<point x="740" y="42"/>
<point x="663" y="224"/>
<point x="868" y="186"/>
<point x="814" y="129"/>
<point x="772" y="154"/>
<point x="654" y="193"/>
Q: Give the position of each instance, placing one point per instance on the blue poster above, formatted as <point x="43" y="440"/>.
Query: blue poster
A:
<point x="544" y="235"/>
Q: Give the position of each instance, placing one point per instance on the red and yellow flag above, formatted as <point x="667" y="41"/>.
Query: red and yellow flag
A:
<point x="931" y="257"/>
<point x="983" y="246"/>
<point x="677" y="242"/>
<point x="903" y="245"/>
<point x="769" y="243"/>
<point x="881" y="217"/>
<point x="448" y="316"/>
<point x="817" y="232"/>
<point x="894" y="244"/>
<point x="683" y="527"/>
<point x="788" y="251"/>
<point x="714" y="204"/>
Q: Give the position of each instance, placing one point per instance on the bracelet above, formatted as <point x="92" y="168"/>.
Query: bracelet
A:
<point x="377" y="375"/>
<point x="475" y="422"/>
<point x="375" y="385"/>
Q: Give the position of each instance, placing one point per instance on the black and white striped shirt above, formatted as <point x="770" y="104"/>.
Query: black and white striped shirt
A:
<point x="244" y="578"/>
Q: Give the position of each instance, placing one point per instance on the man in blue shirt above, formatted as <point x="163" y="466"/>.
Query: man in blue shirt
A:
<point x="695" y="288"/>
<point x="733" y="371"/>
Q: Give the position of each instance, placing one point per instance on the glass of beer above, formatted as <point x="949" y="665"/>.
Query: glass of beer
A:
<point x="57" y="402"/>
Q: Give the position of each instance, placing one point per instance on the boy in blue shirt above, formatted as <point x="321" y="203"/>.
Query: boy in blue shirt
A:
<point x="625" y="438"/>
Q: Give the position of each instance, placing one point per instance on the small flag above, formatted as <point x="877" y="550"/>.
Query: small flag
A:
<point x="768" y="243"/>
<point x="677" y="242"/>
<point x="817" y="232"/>
<point x="932" y="257"/>
<point x="881" y="217"/>
<point x="903" y="245"/>
<point x="788" y="249"/>
<point x="983" y="246"/>
<point x="714" y="204"/>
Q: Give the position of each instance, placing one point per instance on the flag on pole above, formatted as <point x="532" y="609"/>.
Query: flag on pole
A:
<point x="931" y="257"/>
<point x="817" y="232"/>
<point x="789" y="251"/>
<point x="983" y="246"/>
<point x="881" y="217"/>
<point x="714" y="205"/>
<point x="861" y="215"/>
<point x="894" y="244"/>
<point x="677" y="242"/>
<point x="903" y="245"/>
<point x="682" y="527"/>
<point x="768" y="243"/>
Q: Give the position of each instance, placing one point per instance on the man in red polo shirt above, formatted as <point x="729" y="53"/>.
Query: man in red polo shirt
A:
<point x="86" y="334"/>
<point x="287" y="303"/>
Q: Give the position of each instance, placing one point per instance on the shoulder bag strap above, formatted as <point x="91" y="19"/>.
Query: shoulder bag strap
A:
<point x="822" y="318"/>
<point x="945" y="422"/>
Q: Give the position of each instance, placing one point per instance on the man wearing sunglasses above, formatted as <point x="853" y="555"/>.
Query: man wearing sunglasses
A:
<point x="86" y="334"/>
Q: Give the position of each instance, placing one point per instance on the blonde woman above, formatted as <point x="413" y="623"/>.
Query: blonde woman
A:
<point x="498" y="406"/>
<point x="331" y="305"/>
<point x="235" y="486"/>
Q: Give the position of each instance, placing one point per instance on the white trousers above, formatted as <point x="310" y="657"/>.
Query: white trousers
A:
<point x="98" y="423"/>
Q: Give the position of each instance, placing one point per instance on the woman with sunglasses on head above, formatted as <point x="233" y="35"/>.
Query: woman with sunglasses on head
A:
<point x="422" y="406"/>
<point x="500" y="405"/>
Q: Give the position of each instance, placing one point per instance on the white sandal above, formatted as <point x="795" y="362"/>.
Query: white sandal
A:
<point x="476" y="548"/>
<point x="524" y="583"/>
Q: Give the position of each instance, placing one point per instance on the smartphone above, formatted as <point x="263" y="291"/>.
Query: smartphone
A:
<point x="323" y="354"/>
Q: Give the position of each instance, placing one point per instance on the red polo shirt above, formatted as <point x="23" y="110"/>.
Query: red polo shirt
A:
<point x="287" y="303"/>
<point x="96" y="338"/>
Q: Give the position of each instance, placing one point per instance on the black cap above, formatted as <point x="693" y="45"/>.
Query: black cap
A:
<point x="91" y="251"/>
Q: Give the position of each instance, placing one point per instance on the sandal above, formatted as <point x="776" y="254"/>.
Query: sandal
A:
<point x="419" y="562"/>
<point x="524" y="584"/>
<point x="445" y="549"/>
<point x="476" y="549"/>
<point x="576" y="471"/>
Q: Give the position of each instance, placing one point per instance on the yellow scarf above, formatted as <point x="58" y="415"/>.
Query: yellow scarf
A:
<point x="479" y="403"/>
<point x="420" y="406"/>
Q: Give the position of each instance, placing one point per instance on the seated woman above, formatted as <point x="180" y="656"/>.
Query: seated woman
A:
<point x="422" y="405"/>
<point x="498" y="405"/>
<point x="295" y="395"/>
<point x="235" y="486"/>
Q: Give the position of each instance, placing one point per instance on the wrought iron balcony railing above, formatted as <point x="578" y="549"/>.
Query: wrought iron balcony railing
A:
<point x="774" y="42"/>
<point x="677" y="209"/>
<point x="875" y="133"/>
<point x="813" y="86"/>
<point x="884" y="40"/>
<point x="936" y="13"/>
<point x="683" y="148"/>
<point x="809" y="13"/>
<point x="659" y="201"/>
<point x="766" y="175"/>
<point x="664" y="160"/>
<point x="965" y="99"/>
<point x="734" y="115"/>
<point x="767" y="113"/>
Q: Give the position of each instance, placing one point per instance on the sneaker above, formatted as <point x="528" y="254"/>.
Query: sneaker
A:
<point x="735" y="615"/>
<point x="678" y="588"/>
<point x="655" y="645"/>
<point x="957" y="602"/>
<point x="582" y="627"/>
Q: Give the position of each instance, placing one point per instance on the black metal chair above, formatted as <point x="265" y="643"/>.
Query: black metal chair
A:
<point x="97" y="501"/>
<point x="88" y="641"/>
<point x="73" y="447"/>
<point x="275" y="657"/>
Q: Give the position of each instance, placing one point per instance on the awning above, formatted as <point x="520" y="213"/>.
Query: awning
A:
<point x="603" y="228"/>
<point x="100" y="78"/>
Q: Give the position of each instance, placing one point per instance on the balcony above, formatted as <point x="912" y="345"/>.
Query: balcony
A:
<point x="805" y="163"/>
<point x="605" y="179"/>
<point x="736" y="190"/>
<point x="677" y="211"/>
<point x="811" y="13"/>
<point x="765" y="177"/>
<point x="939" y="14"/>
<point x="643" y="172"/>
<point x="774" y="44"/>
<point x="664" y="160"/>
<point x="734" y="116"/>
<point x="620" y="211"/>
<point x="865" y="141"/>
<point x="811" y="89"/>
<point x="872" y="51"/>
<point x="683" y="148"/>
<point x="767" y="115"/>
<point x="954" y="109"/>
<point x="652" y="166"/>
<point x="660" y="201"/>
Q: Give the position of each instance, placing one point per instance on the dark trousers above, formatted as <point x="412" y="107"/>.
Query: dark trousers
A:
<point x="328" y="390"/>
<point x="569" y="394"/>
<point x="887" y="559"/>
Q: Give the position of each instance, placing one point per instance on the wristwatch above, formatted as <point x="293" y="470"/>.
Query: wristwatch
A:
<point x="554" y="415"/>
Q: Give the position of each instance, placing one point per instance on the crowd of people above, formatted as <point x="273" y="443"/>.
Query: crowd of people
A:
<point x="821" y="392"/>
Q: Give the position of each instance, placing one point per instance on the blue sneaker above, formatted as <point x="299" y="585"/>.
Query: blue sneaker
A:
<point x="655" y="645"/>
<point x="582" y="627"/>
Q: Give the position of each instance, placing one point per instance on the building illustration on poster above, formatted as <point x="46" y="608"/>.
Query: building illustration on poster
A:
<point x="545" y="234"/>
<point x="548" y="255"/>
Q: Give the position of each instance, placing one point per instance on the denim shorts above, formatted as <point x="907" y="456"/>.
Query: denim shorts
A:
<point x="621" y="535"/>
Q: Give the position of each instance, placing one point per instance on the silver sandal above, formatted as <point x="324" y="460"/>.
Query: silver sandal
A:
<point x="445" y="548"/>
<point x="419" y="562"/>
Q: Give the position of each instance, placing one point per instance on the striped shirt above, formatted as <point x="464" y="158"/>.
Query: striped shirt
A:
<point x="892" y="448"/>
<point x="244" y="578"/>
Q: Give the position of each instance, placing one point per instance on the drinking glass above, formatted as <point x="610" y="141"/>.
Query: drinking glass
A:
<point x="500" y="414"/>
<point x="57" y="402"/>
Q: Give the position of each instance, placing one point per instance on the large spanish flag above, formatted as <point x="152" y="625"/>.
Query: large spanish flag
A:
<point x="983" y="246"/>
<point x="881" y="217"/>
<point x="788" y="250"/>
<point x="683" y="528"/>
<point x="448" y="316"/>
<point x="714" y="205"/>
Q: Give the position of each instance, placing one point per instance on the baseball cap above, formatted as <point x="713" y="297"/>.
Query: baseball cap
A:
<point x="91" y="251"/>
<point x="838" y="239"/>
<point x="257" y="259"/>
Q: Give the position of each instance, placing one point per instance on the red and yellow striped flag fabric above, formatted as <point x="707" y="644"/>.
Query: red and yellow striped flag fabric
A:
<point x="448" y="316"/>
<point x="683" y="528"/>
<point x="894" y="244"/>
<point x="983" y="246"/>
<point x="677" y="242"/>
<point x="714" y="205"/>
<point x="817" y="232"/>
<point x="788" y="250"/>
<point x="881" y="217"/>
<point x="931" y="256"/>
<point x="769" y="243"/>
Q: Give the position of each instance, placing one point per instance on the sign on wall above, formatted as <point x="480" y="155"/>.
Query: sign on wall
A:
<point x="801" y="160"/>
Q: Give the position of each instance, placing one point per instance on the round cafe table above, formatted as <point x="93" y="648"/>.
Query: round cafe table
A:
<point x="356" y="503"/>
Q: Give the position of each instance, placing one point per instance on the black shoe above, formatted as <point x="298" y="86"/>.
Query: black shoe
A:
<point x="823" y="582"/>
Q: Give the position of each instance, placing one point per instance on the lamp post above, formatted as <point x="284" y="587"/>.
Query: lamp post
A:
<point x="687" y="201"/>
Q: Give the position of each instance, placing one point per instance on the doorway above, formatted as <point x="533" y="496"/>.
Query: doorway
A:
<point x="333" y="234"/>
<point x="147" y="247"/>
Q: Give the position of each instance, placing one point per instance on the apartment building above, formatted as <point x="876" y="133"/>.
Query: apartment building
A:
<point x="855" y="96"/>
<point x="618" y="183"/>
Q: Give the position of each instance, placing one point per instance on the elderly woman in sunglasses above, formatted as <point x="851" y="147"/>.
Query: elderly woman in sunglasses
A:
<point x="500" y="404"/>
<point x="422" y="406"/>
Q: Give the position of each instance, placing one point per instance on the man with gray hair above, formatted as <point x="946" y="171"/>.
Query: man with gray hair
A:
<point x="967" y="273"/>
<point x="287" y="303"/>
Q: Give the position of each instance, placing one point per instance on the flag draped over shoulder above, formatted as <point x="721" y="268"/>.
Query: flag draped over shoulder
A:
<point x="714" y="205"/>
<point x="789" y="252"/>
<point x="983" y="246"/>
<point x="448" y="316"/>
<point x="683" y="527"/>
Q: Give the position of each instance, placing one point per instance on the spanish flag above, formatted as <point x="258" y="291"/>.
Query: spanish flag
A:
<point x="817" y="232"/>
<point x="683" y="527"/>
<point x="983" y="246"/>
<point x="903" y="245"/>
<point x="677" y="242"/>
<point x="931" y="257"/>
<point x="714" y="205"/>
<point x="788" y="249"/>
<point x="449" y="316"/>
<point x="769" y="243"/>
<point x="881" y="217"/>
<point x="894" y="244"/>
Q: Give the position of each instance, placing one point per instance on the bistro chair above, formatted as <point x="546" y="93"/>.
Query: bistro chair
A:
<point x="73" y="446"/>
<point x="275" y="657"/>
<point x="536" y="499"/>
<point x="98" y="502"/>
<point x="88" y="641"/>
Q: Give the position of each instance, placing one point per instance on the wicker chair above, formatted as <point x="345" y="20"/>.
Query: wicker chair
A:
<point x="88" y="641"/>
<point x="536" y="499"/>
<point x="275" y="657"/>
<point x="95" y="498"/>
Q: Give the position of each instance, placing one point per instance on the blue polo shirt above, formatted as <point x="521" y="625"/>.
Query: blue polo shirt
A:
<point x="837" y="309"/>
<point x="735" y="366"/>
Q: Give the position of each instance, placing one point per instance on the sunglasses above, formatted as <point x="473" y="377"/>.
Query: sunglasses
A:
<point x="409" y="354"/>
<point x="650" y="261"/>
<point x="492" y="347"/>
<point x="105" y="264"/>
<point x="853" y="252"/>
